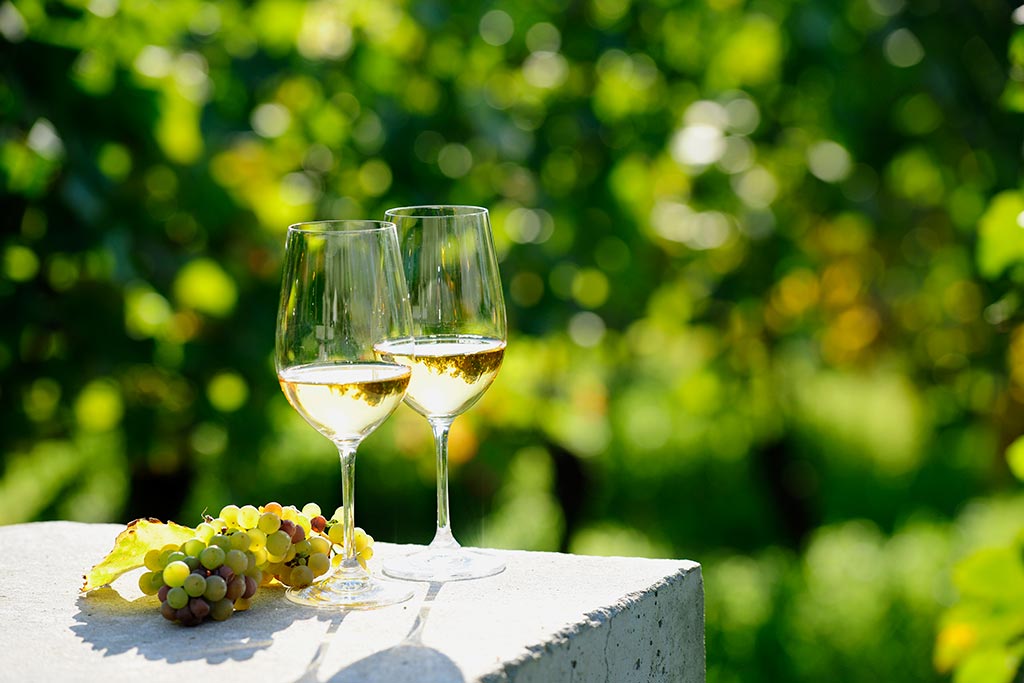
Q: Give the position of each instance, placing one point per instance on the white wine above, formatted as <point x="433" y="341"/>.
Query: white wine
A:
<point x="345" y="401"/>
<point x="449" y="372"/>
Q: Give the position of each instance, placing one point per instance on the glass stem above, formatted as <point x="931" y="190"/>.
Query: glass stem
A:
<point x="350" y="567"/>
<point x="443" y="538"/>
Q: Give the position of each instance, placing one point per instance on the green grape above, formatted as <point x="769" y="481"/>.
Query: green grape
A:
<point x="174" y="574"/>
<point x="336" y="534"/>
<point x="303" y="521"/>
<point x="177" y="597"/>
<point x="301" y="576"/>
<point x="363" y="540"/>
<point x="240" y="540"/>
<point x="237" y="560"/>
<point x="192" y="561"/>
<point x="278" y="543"/>
<point x="221" y="609"/>
<point x="248" y="517"/>
<point x="319" y="544"/>
<point x="152" y="560"/>
<point x="204" y="532"/>
<point x="193" y="547"/>
<point x="221" y="541"/>
<point x="302" y="548"/>
<point x="269" y="523"/>
<point x="216" y="588"/>
<point x="229" y="513"/>
<point x="257" y="540"/>
<point x="176" y="556"/>
<point x="318" y="563"/>
<point x="260" y="557"/>
<point x="290" y="555"/>
<point x="311" y="510"/>
<point x="194" y="585"/>
<point x="289" y="513"/>
<point x="275" y="559"/>
<point x="150" y="582"/>
<point x="212" y="557"/>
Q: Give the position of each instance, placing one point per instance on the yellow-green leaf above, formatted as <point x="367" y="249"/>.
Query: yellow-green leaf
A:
<point x="1015" y="457"/>
<point x="131" y="546"/>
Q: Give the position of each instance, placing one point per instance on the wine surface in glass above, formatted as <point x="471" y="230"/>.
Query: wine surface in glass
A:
<point x="345" y="401"/>
<point x="449" y="372"/>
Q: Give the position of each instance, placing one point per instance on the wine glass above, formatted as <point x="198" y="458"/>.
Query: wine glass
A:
<point x="342" y="293"/>
<point x="458" y="315"/>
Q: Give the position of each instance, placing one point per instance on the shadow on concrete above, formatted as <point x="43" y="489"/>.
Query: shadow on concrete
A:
<point x="112" y="625"/>
<point x="410" y="660"/>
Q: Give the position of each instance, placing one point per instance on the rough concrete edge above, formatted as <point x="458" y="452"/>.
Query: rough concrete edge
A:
<point x="594" y="619"/>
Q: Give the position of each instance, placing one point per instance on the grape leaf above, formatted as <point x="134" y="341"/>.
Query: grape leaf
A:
<point x="130" y="549"/>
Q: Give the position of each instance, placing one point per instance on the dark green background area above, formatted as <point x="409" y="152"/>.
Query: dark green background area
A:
<point x="762" y="262"/>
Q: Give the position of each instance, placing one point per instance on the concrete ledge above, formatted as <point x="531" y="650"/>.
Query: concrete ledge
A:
<point x="548" y="617"/>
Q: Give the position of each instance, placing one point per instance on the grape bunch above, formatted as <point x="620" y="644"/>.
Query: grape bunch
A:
<point x="287" y="542"/>
<point x="211" y="575"/>
<point x="218" y="572"/>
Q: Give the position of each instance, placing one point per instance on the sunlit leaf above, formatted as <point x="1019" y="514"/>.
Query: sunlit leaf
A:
<point x="130" y="548"/>
<point x="995" y="573"/>
<point x="1001" y="234"/>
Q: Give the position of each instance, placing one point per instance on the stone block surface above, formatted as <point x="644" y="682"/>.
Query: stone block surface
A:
<point x="548" y="617"/>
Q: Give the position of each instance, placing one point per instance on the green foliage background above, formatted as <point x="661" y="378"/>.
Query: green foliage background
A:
<point x="763" y="262"/>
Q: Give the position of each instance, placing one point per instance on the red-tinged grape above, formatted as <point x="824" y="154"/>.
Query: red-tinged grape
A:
<point x="299" y="535"/>
<point x="226" y="573"/>
<point x="250" y="587"/>
<point x="318" y="523"/>
<point x="236" y="587"/>
<point x="199" y="608"/>
<point x="162" y="593"/>
<point x="185" y="616"/>
<point x="274" y="508"/>
<point x="170" y="614"/>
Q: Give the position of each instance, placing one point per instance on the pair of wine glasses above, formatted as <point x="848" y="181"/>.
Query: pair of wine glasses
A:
<point x="374" y="312"/>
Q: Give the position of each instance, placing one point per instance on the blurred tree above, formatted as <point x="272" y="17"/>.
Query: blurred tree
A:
<point x="762" y="259"/>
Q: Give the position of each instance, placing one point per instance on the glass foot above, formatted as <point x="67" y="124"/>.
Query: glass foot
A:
<point x="338" y="593"/>
<point x="444" y="564"/>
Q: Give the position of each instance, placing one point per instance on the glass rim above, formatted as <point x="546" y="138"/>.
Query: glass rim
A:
<point x="322" y="227"/>
<point x="417" y="211"/>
